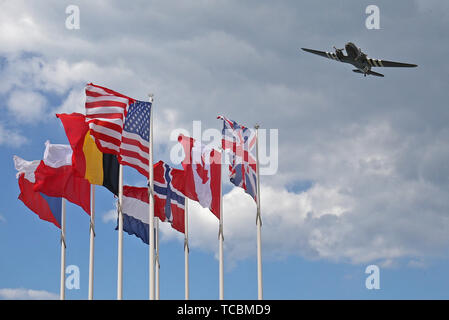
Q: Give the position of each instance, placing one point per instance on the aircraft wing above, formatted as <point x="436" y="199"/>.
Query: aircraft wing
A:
<point x="329" y="55"/>
<point x="389" y="64"/>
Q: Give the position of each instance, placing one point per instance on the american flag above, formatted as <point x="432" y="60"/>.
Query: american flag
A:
<point x="134" y="148"/>
<point x="105" y="113"/>
<point x="241" y="142"/>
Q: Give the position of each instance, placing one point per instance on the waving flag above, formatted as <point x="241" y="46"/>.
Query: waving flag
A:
<point x="168" y="194"/>
<point x="47" y="208"/>
<point x="55" y="177"/>
<point x="202" y="166"/>
<point x="105" y="114"/>
<point x="168" y="202"/>
<point x="241" y="142"/>
<point x="88" y="161"/>
<point x="134" y="148"/>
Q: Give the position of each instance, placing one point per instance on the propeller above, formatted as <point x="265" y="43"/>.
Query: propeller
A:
<point x="338" y="49"/>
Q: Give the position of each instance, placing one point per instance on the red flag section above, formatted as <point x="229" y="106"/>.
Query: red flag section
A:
<point x="47" y="208"/>
<point x="55" y="177"/>
<point x="202" y="166"/>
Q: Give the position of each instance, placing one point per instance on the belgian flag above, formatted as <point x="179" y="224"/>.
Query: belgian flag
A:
<point x="88" y="161"/>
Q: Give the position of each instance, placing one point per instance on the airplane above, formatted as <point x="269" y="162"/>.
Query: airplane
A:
<point x="358" y="59"/>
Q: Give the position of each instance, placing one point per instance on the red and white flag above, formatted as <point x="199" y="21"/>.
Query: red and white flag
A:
<point x="55" y="176"/>
<point x="105" y="114"/>
<point x="202" y="166"/>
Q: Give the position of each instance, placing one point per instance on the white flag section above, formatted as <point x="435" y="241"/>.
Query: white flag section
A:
<point x="57" y="155"/>
<point x="27" y="167"/>
<point x="202" y="178"/>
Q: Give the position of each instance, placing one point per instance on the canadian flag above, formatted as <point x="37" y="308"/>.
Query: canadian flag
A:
<point x="202" y="166"/>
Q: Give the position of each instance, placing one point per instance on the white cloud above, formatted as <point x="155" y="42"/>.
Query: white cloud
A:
<point x="27" y="294"/>
<point x="27" y="106"/>
<point x="11" y="138"/>
<point x="2" y="218"/>
<point x="110" y="216"/>
<point x="319" y="223"/>
<point x="74" y="102"/>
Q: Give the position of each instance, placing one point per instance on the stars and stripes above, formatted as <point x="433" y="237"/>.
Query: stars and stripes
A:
<point x="105" y="114"/>
<point x="241" y="142"/>
<point x="134" y="149"/>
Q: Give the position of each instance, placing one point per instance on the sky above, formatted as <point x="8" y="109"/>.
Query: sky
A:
<point x="361" y="164"/>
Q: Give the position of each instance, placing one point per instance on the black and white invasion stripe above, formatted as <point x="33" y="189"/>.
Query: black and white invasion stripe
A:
<point x="375" y="62"/>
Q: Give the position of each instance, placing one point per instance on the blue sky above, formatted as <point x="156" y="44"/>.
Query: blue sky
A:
<point x="362" y="178"/>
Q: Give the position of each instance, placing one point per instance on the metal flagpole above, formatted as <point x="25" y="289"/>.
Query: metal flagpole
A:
<point x="156" y="243"/>
<point x="63" y="247"/>
<point x="186" y="248"/>
<point x="151" y="206"/>
<point x="92" y="240"/>
<point x="258" y="223"/>
<point x="220" y="234"/>
<point x="120" y="236"/>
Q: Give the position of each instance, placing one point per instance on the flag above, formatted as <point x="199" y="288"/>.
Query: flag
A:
<point x="105" y="114"/>
<point x="47" y="208"/>
<point x="241" y="142"/>
<point x="202" y="166"/>
<point x="88" y="161"/>
<point x="168" y="202"/>
<point x="134" y="149"/>
<point x="55" y="177"/>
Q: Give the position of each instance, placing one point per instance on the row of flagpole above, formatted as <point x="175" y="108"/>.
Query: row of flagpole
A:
<point x="154" y="266"/>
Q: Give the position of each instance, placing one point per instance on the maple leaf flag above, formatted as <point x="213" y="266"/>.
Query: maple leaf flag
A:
<point x="202" y="166"/>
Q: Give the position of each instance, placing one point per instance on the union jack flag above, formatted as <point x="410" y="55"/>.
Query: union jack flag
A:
<point x="241" y="142"/>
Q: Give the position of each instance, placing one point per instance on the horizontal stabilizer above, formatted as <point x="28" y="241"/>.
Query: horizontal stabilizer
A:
<point x="369" y="72"/>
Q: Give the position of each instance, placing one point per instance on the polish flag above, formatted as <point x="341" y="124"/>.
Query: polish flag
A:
<point x="202" y="166"/>
<point x="55" y="176"/>
<point x="47" y="208"/>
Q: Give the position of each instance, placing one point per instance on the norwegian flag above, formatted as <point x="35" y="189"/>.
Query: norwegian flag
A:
<point x="241" y="142"/>
<point x="168" y="202"/>
<point x="168" y="197"/>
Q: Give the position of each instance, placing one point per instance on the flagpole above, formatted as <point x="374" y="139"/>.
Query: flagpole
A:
<point x="220" y="234"/>
<point x="186" y="247"/>
<point x="151" y="206"/>
<point x="92" y="242"/>
<point x="258" y="223"/>
<point x="63" y="247"/>
<point x="120" y="237"/>
<point x="156" y="240"/>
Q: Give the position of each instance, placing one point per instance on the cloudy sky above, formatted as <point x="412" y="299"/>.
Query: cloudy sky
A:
<point x="363" y="170"/>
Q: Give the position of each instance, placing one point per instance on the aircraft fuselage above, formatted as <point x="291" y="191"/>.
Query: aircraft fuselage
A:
<point x="357" y="58"/>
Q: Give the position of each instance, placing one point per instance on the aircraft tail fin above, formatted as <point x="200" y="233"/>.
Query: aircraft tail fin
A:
<point x="369" y="72"/>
